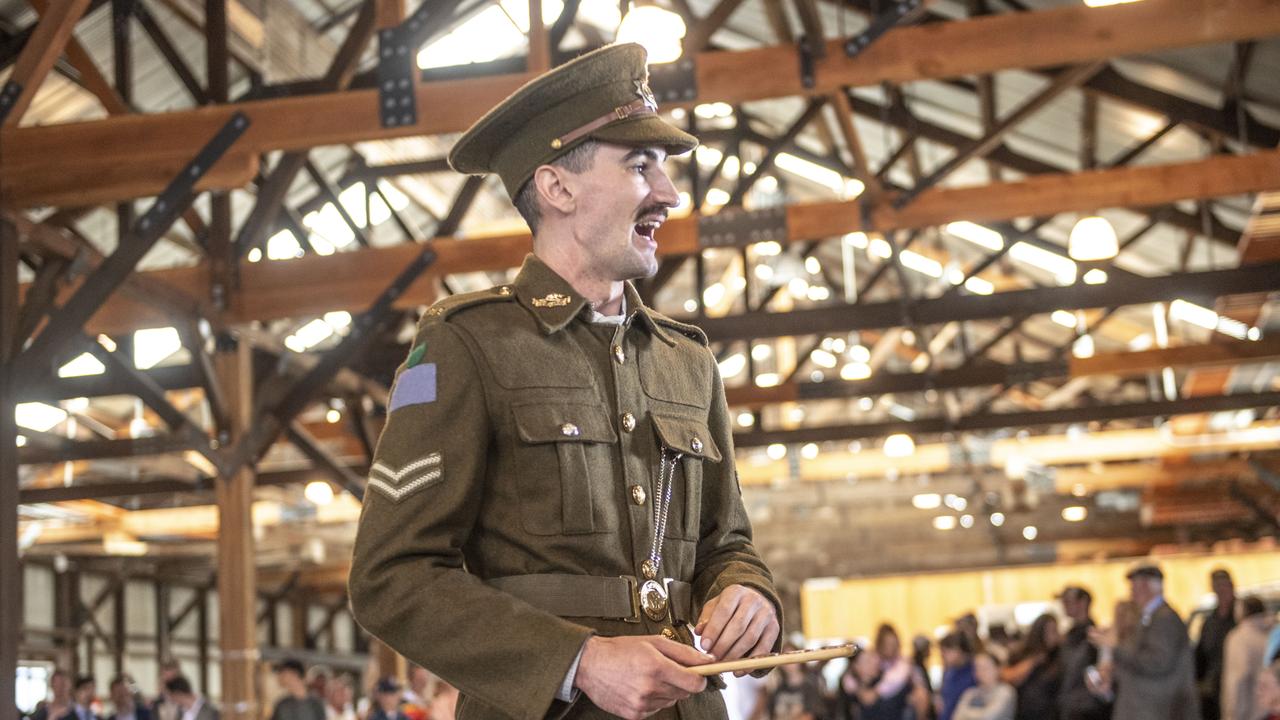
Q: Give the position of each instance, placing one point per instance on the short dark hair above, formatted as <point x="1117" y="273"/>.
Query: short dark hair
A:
<point x="292" y="665"/>
<point x="122" y="678"/>
<point x="576" y="160"/>
<point x="1251" y="606"/>
<point x="81" y="681"/>
<point x="957" y="641"/>
<point x="179" y="684"/>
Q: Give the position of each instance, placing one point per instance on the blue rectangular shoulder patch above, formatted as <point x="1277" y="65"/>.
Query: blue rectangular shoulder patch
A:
<point x="415" y="386"/>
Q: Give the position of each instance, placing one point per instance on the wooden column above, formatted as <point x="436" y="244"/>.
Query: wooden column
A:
<point x="298" y="621"/>
<point x="389" y="662"/>
<point x="118" y="625"/>
<point x="163" y="636"/>
<point x="10" y="589"/>
<point x="237" y="610"/>
<point x="202" y="638"/>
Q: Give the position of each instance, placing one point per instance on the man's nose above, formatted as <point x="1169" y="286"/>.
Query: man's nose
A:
<point x="664" y="191"/>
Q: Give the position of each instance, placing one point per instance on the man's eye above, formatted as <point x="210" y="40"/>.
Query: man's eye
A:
<point x="638" y="168"/>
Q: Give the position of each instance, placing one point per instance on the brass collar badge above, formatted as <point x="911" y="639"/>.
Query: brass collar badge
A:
<point x="552" y="300"/>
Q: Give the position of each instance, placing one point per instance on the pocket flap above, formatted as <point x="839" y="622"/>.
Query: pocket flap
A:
<point x="688" y="436"/>
<point x="546" y="422"/>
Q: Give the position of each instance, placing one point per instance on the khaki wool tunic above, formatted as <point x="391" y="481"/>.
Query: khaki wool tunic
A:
<point x="523" y="439"/>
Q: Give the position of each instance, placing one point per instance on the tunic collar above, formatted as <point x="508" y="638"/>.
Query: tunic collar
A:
<point x="553" y="302"/>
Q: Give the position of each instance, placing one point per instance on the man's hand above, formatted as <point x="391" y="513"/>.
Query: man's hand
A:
<point x="738" y="623"/>
<point x="635" y="677"/>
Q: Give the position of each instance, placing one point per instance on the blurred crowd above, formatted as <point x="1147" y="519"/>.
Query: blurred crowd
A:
<point x="1145" y="666"/>
<point x="314" y="693"/>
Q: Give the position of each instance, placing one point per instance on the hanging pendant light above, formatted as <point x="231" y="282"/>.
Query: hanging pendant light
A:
<point x="1092" y="238"/>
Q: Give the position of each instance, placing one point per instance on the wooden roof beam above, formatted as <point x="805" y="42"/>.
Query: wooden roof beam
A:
<point x="57" y="21"/>
<point x="315" y="285"/>
<point x="133" y="150"/>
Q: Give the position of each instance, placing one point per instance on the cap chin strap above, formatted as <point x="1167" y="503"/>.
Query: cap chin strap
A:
<point x="639" y="106"/>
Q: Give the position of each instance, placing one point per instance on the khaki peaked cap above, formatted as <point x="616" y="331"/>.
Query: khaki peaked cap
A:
<point x="602" y="95"/>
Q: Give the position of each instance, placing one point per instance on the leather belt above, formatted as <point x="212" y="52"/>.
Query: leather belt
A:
<point x="613" y="598"/>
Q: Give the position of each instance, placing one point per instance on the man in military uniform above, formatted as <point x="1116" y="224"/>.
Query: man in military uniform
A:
<point x="553" y="510"/>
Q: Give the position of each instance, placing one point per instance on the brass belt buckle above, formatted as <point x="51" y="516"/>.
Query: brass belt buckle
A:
<point x="653" y="600"/>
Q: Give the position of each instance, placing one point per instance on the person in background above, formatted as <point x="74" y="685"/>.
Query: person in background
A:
<point x="318" y="678"/>
<point x="60" y="697"/>
<point x="419" y="691"/>
<point x="83" y="693"/>
<point x="968" y="624"/>
<point x="921" y="648"/>
<point x="386" y="701"/>
<point x="1153" y="672"/>
<point x="957" y="672"/>
<point x="990" y="699"/>
<point x="163" y="708"/>
<point x="1267" y="693"/>
<point x="860" y="697"/>
<point x="1035" y="671"/>
<point x="338" y="701"/>
<point x="1242" y="660"/>
<point x="125" y="700"/>
<point x="1075" y="700"/>
<point x="897" y="681"/>
<point x="189" y="704"/>
<point x="796" y="694"/>
<point x="1213" y="638"/>
<point x="999" y="642"/>
<point x="297" y="703"/>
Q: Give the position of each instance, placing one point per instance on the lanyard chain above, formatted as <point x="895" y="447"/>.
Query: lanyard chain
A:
<point x="661" y="510"/>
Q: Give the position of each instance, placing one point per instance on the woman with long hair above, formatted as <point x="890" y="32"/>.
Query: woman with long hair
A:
<point x="1035" y="672"/>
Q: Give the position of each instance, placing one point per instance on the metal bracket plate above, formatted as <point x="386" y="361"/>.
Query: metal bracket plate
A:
<point x="899" y="13"/>
<point x="397" y="64"/>
<point x="176" y="196"/>
<point x="396" y="101"/>
<point x="808" y="74"/>
<point x="738" y="227"/>
<point x="674" y="82"/>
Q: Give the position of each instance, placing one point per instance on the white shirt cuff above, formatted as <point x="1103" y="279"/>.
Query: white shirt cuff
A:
<point x="567" y="693"/>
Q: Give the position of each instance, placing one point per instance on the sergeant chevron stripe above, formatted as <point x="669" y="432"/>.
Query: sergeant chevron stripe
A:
<point x="399" y="484"/>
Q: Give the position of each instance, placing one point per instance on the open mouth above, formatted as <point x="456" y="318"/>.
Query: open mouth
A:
<point x="647" y="228"/>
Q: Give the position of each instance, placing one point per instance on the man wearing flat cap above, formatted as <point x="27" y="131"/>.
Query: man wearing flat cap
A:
<point x="1153" y="668"/>
<point x="553" y="509"/>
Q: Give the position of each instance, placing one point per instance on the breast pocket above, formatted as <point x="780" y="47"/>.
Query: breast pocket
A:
<point x="566" y="462"/>
<point x="691" y="438"/>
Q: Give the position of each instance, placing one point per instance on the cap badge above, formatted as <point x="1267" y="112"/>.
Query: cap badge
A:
<point x="642" y="89"/>
<point x="551" y="300"/>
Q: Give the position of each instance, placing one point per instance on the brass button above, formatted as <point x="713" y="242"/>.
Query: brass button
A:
<point x="504" y="290"/>
<point x="570" y="430"/>
<point x="668" y="633"/>
<point x="696" y="444"/>
<point x="628" y="422"/>
<point x="618" y="355"/>
<point x="637" y="494"/>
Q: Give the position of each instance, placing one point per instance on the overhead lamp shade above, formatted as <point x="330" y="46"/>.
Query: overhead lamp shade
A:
<point x="318" y="492"/>
<point x="1093" y="238"/>
<point x="658" y="30"/>
<point x="899" y="445"/>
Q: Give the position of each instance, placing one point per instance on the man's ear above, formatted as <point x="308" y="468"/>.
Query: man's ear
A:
<point x="554" y="187"/>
